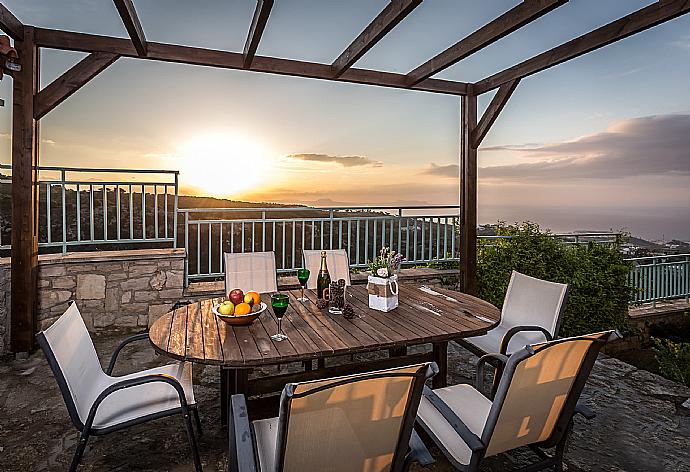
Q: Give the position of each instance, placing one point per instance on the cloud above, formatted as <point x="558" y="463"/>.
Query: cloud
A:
<point x="654" y="145"/>
<point x="442" y="170"/>
<point x="683" y="42"/>
<point x="345" y="161"/>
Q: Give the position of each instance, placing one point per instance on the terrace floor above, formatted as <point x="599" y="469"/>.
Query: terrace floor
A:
<point x="642" y="423"/>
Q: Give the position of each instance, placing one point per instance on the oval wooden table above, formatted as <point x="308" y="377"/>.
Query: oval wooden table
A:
<point x="193" y="333"/>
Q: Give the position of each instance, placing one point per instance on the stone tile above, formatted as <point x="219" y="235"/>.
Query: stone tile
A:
<point x="174" y="279"/>
<point x="145" y="296"/>
<point x="141" y="283"/>
<point x="156" y="311"/>
<point x="126" y="321"/>
<point x="67" y="281"/>
<point x="112" y="299"/>
<point x="90" y="286"/>
<point x="139" y="270"/>
<point x="51" y="270"/>
<point x="158" y="280"/>
<point x="126" y="297"/>
<point x="50" y="298"/>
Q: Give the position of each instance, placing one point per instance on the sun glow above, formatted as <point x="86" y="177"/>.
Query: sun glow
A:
<point x="223" y="164"/>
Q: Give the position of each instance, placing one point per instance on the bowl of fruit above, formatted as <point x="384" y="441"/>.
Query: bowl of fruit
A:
<point x="240" y="308"/>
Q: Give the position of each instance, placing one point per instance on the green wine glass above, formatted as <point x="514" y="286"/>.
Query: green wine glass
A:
<point x="279" y="303"/>
<point x="303" y="277"/>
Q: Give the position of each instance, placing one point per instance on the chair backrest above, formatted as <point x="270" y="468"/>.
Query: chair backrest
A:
<point x="532" y="301"/>
<point x="338" y="265"/>
<point x="72" y="357"/>
<point x="539" y="390"/>
<point x="251" y="271"/>
<point x="360" y="422"/>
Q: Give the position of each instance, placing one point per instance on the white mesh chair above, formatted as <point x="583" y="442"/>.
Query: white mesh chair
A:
<point x="532" y="311"/>
<point x="360" y="422"/>
<point x="251" y="271"/>
<point x="99" y="403"/>
<point x="338" y="265"/>
<point x="534" y="404"/>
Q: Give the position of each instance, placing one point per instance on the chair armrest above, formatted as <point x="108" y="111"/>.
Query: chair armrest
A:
<point x="479" y="378"/>
<point x="128" y="383"/>
<point x="418" y="452"/>
<point x="472" y="440"/>
<point x="585" y="411"/>
<point x="517" y="329"/>
<point x="113" y="359"/>
<point x="241" y="446"/>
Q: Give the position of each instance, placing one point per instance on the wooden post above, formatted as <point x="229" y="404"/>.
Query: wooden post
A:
<point x="24" y="196"/>
<point x="468" y="194"/>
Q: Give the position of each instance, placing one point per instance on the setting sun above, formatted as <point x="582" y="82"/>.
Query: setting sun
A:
<point x="223" y="164"/>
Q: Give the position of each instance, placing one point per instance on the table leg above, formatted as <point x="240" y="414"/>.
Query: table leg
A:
<point x="397" y="351"/>
<point x="232" y="381"/>
<point x="224" y="398"/>
<point x="440" y="380"/>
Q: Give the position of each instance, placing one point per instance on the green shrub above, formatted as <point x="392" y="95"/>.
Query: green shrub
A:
<point x="674" y="359"/>
<point x="596" y="273"/>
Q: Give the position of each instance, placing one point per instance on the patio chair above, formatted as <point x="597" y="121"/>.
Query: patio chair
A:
<point x="99" y="403"/>
<point x="361" y="422"/>
<point x="338" y="265"/>
<point x="532" y="312"/>
<point x="251" y="271"/>
<point x="534" y="405"/>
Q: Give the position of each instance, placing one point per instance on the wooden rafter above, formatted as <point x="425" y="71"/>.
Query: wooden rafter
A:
<point x="129" y="17"/>
<point x="513" y="19"/>
<point x="493" y="110"/>
<point x="10" y="24"/>
<point x="71" y="81"/>
<point x="231" y="60"/>
<point x="390" y="16"/>
<point x="645" y="18"/>
<point x="261" y="13"/>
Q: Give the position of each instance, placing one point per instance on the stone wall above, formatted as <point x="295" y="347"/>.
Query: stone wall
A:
<point x="4" y="305"/>
<point x="124" y="289"/>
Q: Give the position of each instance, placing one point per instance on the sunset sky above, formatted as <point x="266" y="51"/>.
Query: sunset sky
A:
<point x="601" y="142"/>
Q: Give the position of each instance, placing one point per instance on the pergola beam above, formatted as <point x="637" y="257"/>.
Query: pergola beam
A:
<point x="71" y="81"/>
<point x="71" y="41"/>
<point x="513" y="19"/>
<point x="25" y="161"/>
<point x="643" y="19"/>
<point x="129" y="17"/>
<point x="384" y="22"/>
<point x="493" y="110"/>
<point x="10" y="24"/>
<point x="261" y="13"/>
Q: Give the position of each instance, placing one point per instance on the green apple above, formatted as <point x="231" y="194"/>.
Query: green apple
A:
<point x="226" y="309"/>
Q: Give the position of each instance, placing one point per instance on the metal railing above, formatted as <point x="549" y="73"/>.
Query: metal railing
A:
<point x="118" y="208"/>
<point x="657" y="278"/>
<point x="599" y="237"/>
<point x="420" y="233"/>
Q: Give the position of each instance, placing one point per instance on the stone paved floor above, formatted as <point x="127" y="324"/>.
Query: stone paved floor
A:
<point x="641" y="424"/>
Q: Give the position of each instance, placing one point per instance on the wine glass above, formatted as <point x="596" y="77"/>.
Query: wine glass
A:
<point x="303" y="277"/>
<point x="279" y="302"/>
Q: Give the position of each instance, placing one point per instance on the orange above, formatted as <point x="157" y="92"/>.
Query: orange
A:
<point x="255" y="297"/>
<point x="242" y="309"/>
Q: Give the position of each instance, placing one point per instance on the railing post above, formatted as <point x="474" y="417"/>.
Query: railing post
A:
<point x="175" y="214"/>
<point x="186" y="244"/>
<point x="64" y="211"/>
<point x="687" y="279"/>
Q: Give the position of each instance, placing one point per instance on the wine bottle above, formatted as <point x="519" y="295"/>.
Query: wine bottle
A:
<point x="324" y="279"/>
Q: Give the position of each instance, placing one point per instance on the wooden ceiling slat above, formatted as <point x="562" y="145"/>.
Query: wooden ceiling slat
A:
<point x="263" y="10"/>
<point x="390" y="16"/>
<point x="643" y="19"/>
<point x="10" y="24"/>
<point x="231" y="60"/>
<point x="71" y="81"/>
<point x="129" y="17"/>
<point x="513" y="19"/>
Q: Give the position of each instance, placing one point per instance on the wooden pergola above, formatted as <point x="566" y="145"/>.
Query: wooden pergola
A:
<point x="30" y="103"/>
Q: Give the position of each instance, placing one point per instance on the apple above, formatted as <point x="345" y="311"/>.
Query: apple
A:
<point x="249" y="299"/>
<point x="236" y="296"/>
<point x="226" y="309"/>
